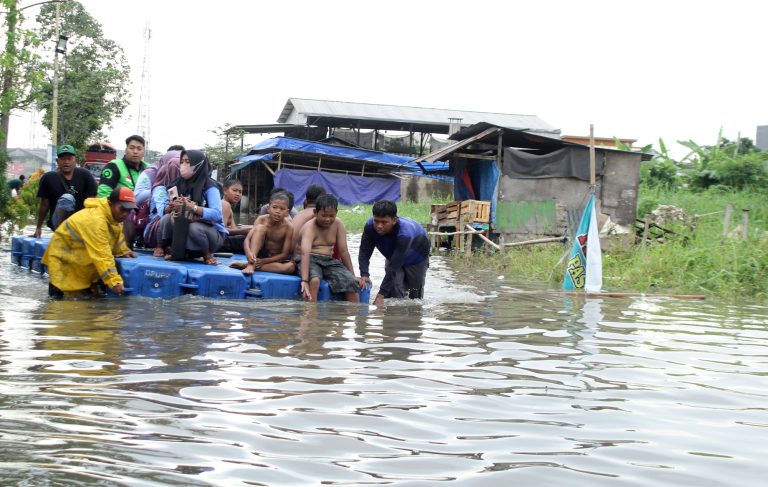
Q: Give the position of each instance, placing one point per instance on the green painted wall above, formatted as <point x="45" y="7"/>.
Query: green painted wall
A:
<point x="538" y="217"/>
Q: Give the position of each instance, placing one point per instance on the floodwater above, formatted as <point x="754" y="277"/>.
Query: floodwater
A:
<point x="478" y="384"/>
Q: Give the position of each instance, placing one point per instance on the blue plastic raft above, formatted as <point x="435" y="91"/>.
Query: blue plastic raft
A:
<point x="157" y="278"/>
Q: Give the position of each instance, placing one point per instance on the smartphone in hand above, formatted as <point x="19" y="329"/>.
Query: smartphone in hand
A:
<point x="173" y="193"/>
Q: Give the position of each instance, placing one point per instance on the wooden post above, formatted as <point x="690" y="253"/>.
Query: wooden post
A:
<point x="499" y="150"/>
<point x="645" y="228"/>
<point x="432" y="239"/>
<point x="592" y="178"/>
<point x="727" y="219"/>
<point x="468" y="244"/>
<point x="458" y="240"/>
<point x="744" y="222"/>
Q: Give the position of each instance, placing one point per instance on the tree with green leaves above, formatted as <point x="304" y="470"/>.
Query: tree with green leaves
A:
<point x="226" y="148"/>
<point x="93" y="78"/>
<point x="21" y="68"/>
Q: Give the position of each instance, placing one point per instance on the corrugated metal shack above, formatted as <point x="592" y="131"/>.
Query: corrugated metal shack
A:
<point x="351" y="173"/>
<point x="537" y="185"/>
<point x="395" y="129"/>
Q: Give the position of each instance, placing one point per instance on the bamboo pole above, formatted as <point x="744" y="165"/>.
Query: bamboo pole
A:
<point x="483" y="237"/>
<point x="468" y="244"/>
<point x="744" y="222"/>
<point x="536" y="241"/>
<point x="727" y="218"/>
<point x="444" y="234"/>
<point x="647" y="224"/>
<point x="266" y="166"/>
<point x="592" y="178"/>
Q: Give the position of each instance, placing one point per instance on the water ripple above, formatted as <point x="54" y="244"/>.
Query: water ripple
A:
<point x="484" y="387"/>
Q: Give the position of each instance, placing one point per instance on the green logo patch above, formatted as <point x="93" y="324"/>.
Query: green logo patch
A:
<point x="106" y="173"/>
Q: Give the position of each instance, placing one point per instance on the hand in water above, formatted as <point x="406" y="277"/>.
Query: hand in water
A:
<point x="305" y="291"/>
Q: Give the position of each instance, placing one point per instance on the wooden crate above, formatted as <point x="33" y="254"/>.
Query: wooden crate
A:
<point x="468" y="211"/>
<point x="474" y="211"/>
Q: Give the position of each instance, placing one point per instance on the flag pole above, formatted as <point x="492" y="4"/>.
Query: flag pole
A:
<point x="592" y="181"/>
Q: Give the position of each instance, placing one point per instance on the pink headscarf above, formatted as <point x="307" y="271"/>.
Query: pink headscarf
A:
<point x="167" y="169"/>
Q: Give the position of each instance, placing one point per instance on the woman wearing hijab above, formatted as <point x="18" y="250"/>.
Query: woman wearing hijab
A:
<point x="195" y="226"/>
<point x="166" y="173"/>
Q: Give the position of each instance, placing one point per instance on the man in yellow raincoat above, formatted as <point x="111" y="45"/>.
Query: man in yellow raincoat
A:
<point x="83" y="248"/>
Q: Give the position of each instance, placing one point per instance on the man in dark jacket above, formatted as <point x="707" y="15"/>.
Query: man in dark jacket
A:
<point x="63" y="191"/>
<point x="405" y="245"/>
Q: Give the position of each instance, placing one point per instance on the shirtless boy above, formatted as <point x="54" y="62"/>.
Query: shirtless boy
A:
<point x="233" y="191"/>
<point x="268" y="244"/>
<point x="318" y="237"/>
<point x="308" y="213"/>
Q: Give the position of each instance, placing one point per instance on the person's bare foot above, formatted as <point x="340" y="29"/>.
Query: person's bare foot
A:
<point x="158" y="252"/>
<point x="249" y="269"/>
<point x="239" y="264"/>
<point x="210" y="260"/>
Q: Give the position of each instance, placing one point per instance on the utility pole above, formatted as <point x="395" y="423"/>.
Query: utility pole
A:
<point x="55" y="104"/>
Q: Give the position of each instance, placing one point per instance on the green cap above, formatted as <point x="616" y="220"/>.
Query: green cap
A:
<point x="65" y="149"/>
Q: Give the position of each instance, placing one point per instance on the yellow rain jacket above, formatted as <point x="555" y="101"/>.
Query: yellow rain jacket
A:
<point x="82" y="249"/>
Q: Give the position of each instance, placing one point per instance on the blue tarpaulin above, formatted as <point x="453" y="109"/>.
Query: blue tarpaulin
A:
<point x="348" y="189"/>
<point x="264" y="151"/>
<point x="477" y="180"/>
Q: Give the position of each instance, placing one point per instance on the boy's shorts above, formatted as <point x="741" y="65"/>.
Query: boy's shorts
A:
<point x="340" y="280"/>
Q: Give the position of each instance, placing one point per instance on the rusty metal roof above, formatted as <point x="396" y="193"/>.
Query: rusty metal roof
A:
<point x="302" y="111"/>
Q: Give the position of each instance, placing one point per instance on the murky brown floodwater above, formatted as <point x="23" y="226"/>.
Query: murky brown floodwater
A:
<point x="475" y="385"/>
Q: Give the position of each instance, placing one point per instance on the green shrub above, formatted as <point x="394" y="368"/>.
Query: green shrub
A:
<point x="645" y="205"/>
<point x="660" y="172"/>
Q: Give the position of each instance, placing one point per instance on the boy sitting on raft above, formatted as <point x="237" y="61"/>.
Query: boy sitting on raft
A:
<point x="316" y="262"/>
<point x="268" y="244"/>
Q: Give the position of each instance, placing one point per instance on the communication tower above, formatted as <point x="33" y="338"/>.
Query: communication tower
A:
<point x="143" y="118"/>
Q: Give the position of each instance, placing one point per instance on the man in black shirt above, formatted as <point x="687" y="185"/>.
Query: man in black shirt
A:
<point x="63" y="191"/>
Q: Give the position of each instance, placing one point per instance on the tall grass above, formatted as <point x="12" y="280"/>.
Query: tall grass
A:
<point x="354" y="217"/>
<point x="704" y="262"/>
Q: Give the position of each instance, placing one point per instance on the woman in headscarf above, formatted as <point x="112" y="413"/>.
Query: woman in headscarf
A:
<point x="197" y="226"/>
<point x="166" y="173"/>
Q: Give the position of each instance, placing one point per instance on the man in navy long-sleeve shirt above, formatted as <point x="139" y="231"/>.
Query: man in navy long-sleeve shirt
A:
<point x="405" y="245"/>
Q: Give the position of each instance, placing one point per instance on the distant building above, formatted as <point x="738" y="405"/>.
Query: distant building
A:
<point x="368" y="125"/>
<point x="761" y="141"/>
<point x="599" y="141"/>
<point x="26" y="161"/>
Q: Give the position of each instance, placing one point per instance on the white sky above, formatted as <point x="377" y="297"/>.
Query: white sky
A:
<point x="635" y="69"/>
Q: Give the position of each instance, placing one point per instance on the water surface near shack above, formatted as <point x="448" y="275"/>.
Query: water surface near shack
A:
<point x="475" y="384"/>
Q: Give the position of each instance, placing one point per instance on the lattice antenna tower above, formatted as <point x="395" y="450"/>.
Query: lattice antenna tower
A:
<point x="143" y="118"/>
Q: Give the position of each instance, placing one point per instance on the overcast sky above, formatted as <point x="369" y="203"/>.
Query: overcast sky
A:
<point x="635" y="69"/>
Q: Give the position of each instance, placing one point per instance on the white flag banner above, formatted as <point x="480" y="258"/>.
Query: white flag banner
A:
<point x="594" y="256"/>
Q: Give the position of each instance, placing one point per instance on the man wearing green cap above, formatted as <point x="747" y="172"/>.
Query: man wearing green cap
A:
<point x="63" y="191"/>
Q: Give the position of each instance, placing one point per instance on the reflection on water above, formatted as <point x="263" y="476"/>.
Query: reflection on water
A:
<point x="477" y="384"/>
